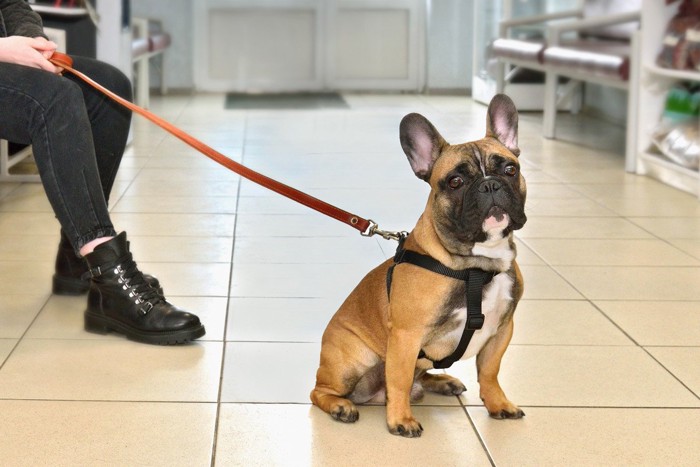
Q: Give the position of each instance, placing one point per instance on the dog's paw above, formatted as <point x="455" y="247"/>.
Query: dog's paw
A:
<point x="409" y="428"/>
<point x="346" y="413"/>
<point x="509" y="413"/>
<point x="443" y="384"/>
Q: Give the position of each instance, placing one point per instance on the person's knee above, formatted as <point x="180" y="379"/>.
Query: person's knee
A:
<point x="119" y="83"/>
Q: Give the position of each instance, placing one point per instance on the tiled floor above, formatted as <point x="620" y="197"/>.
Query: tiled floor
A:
<point x="604" y="360"/>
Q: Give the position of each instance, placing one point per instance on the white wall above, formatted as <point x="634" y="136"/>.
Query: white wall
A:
<point x="450" y="36"/>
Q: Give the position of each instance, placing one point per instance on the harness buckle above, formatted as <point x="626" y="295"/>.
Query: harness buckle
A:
<point x="475" y="322"/>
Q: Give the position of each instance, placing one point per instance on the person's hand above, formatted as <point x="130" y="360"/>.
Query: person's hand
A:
<point x="29" y="51"/>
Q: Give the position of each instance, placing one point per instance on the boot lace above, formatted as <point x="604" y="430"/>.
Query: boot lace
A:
<point x="133" y="282"/>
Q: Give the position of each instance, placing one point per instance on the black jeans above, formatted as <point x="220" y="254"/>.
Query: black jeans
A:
<point x="77" y="135"/>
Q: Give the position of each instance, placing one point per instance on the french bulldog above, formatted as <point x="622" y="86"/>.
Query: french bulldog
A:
<point x="381" y="343"/>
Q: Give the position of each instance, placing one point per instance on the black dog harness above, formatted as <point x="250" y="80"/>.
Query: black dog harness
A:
<point x="475" y="280"/>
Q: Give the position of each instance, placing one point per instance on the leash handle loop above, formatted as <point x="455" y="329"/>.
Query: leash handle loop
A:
<point x="363" y="225"/>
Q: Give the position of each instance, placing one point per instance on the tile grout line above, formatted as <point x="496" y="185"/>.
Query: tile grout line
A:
<point x="21" y="338"/>
<point x="605" y="315"/>
<point x="215" y="436"/>
<point x="482" y="441"/>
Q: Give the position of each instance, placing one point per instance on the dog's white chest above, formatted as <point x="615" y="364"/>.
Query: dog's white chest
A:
<point x="496" y="302"/>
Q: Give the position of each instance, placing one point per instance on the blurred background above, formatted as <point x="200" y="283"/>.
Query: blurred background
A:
<point x="420" y="46"/>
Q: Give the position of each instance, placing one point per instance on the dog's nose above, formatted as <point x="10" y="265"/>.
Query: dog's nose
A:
<point x="489" y="185"/>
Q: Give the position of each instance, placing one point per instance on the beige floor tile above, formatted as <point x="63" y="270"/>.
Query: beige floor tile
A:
<point x="302" y="435"/>
<point x="165" y="224"/>
<point x="581" y="228"/>
<point x="106" y="433"/>
<point x="284" y="225"/>
<point x="306" y="250"/>
<point x="297" y="280"/>
<point x="192" y="160"/>
<point x="582" y="252"/>
<point x="30" y="223"/>
<point x="24" y="247"/>
<point x="183" y="175"/>
<point x="682" y="362"/>
<point x="279" y="319"/>
<point x="190" y="279"/>
<point x="526" y="255"/>
<point x="26" y="277"/>
<point x="542" y="282"/>
<point x="672" y="323"/>
<point x="28" y="197"/>
<point x="592" y="437"/>
<point x="634" y="283"/>
<point x="670" y="227"/>
<point x="6" y="346"/>
<point x="17" y="312"/>
<point x="288" y="377"/>
<point x="575" y="207"/>
<point x="547" y="190"/>
<point x="690" y="246"/>
<point x="580" y="376"/>
<point x="109" y="369"/>
<point x="635" y="188"/>
<point x="685" y="206"/>
<point x="182" y="250"/>
<point x="211" y="312"/>
<point x="62" y="318"/>
<point x="564" y="322"/>
<point x="180" y="204"/>
<point x="270" y="205"/>
<point x="144" y="188"/>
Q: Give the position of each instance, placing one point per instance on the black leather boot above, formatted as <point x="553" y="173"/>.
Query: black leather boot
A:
<point x="121" y="300"/>
<point x="71" y="276"/>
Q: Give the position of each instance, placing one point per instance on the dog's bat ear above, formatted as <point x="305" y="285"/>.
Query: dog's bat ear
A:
<point x="421" y="142"/>
<point x="502" y="122"/>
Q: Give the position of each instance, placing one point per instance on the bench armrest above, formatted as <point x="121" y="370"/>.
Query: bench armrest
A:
<point x="505" y="25"/>
<point x="554" y="32"/>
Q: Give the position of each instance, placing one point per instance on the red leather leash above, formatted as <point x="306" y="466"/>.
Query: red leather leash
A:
<point x="365" y="226"/>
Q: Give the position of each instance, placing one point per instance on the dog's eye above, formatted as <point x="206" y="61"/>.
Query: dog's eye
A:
<point x="511" y="170"/>
<point x="455" y="182"/>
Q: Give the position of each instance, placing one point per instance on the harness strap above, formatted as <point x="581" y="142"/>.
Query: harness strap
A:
<point x="475" y="280"/>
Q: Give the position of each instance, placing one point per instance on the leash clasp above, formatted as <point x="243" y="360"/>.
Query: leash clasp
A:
<point x="374" y="229"/>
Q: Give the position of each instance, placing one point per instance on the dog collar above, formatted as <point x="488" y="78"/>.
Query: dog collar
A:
<point x="475" y="280"/>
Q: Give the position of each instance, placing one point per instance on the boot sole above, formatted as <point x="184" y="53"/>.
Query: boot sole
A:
<point x="100" y="324"/>
<point x="69" y="286"/>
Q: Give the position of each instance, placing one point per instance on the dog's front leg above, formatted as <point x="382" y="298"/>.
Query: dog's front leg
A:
<point x="401" y="356"/>
<point x="488" y="364"/>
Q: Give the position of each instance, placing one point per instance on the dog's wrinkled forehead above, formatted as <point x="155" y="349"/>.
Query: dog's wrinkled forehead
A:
<point x="480" y="157"/>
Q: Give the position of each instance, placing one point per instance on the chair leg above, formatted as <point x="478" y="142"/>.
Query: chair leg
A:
<point x="500" y="77"/>
<point x="550" y="105"/>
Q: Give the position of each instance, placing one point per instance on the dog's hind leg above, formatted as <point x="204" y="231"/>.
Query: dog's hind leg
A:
<point x="336" y="379"/>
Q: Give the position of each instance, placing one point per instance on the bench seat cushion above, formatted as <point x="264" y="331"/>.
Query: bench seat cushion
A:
<point x="159" y="41"/>
<point x="139" y="46"/>
<point x="514" y="49"/>
<point x="607" y="59"/>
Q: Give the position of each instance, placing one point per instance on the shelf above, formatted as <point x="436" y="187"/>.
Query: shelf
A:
<point x="687" y="75"/>
<point x="670" y="173"/>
